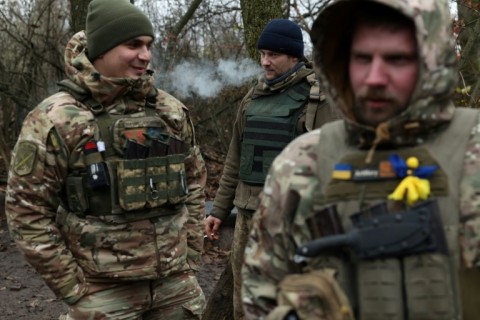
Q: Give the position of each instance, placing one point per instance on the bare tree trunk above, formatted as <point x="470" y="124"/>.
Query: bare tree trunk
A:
<point x="78" y="14"/>
<point x="4" y="152"/>
<point x="5" y="114"/>
<point x="175" y="32"/>
<point x="220" y="303"/>
<point x="256" y="14"/>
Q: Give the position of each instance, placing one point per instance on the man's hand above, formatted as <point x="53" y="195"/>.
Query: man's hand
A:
<point x="212" y="225"/>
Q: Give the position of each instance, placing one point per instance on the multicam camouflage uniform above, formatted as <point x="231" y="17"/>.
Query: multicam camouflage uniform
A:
<point x="141" y="260"/>
<point x="234" y="191"/>
<point x="300" y="187"/>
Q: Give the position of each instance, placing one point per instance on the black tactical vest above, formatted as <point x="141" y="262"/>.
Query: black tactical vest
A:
<point x="271" y="123"/>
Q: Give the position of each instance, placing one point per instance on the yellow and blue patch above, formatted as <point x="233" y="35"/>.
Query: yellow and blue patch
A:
<point x="345" y="171"/>
<point x="342" y="171"/>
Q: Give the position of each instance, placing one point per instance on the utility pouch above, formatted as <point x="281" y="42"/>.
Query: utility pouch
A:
<point x="175" y="146"/>
<point x="326" y="222"/>
<point x="157" y="148"/>
<point x="151" y="182"/>
<point x="176" y="179"/>
<point x="135" y="150"/>
<point x="157" y="184"/>
<point x="314" y="295"/>
<point x="141" y="130"/>
<point x="131" y="184"/>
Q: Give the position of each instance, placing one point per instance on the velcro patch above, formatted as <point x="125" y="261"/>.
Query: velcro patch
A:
<point x="25" y="158"/>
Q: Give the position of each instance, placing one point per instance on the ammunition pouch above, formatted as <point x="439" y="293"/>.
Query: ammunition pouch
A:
<point x="313" y="295"/>
<point x="137" y="184"/>
<point x="151" y="182"/>
<point x="400" y="262"/>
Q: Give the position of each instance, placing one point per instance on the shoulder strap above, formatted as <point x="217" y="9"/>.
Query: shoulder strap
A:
<point x="318" y="111"/>
<point x="313" y="102"/>
<point x="151" y="100"/>
<point x="104" y="119"/>
<point x="81" y="95"/>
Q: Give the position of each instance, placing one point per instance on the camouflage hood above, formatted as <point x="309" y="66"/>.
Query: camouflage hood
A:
<point x="430" y="106"/>
<point x="122" y="94"/>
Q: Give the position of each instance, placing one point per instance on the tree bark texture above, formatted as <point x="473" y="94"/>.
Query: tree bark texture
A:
<point x="175" y="32"/>
<point x="220" y="304"/>
<point x="78" y="14"/>
<point x="255" y="15"/>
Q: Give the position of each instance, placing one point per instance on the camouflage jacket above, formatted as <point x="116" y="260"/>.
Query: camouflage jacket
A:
<point x="68" y="251"/>
<point x="277" y="224"/>
<point x="234" y="192"/>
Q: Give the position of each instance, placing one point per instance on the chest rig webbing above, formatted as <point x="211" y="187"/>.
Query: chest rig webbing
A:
<point x="144" y="163"/>
<point x="271" y="123"/>
<point x="411" y="285"/>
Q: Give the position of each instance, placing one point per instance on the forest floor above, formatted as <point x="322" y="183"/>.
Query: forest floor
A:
<point x="23" y="294"/>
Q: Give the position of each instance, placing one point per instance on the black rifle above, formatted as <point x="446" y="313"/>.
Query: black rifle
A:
<point x="385" y="234"/>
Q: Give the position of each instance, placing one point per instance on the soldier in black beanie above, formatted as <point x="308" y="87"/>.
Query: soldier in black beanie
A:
<point x="282" y="36"/>
<point x="285" y="103"/>
<point x="109" y="205"/>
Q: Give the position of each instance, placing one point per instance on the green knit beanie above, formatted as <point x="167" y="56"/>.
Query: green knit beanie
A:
<point x="111" y="22"/>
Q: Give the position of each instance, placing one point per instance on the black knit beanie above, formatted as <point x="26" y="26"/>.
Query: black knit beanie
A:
<point x="282" y="36"/>
<point x="111" y="22"/>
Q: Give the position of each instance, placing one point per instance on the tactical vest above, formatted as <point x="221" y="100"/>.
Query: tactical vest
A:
<point x="412" y="286"/>
<point x="271" y="123"/>
<point x="140" y="171"/>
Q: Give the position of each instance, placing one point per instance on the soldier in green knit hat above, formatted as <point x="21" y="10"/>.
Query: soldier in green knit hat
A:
<point x="105" y="194"/>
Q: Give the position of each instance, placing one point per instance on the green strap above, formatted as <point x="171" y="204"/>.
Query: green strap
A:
<point x="103" y="118"/>
<point x="313" y="103"/>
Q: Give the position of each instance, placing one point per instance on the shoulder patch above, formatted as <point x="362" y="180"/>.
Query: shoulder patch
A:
<point x="25" y="158"/>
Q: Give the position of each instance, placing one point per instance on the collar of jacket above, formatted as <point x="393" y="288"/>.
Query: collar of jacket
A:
<point x="293" y="78"/>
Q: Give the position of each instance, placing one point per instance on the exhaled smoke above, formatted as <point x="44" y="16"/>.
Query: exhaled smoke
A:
<point x="207" y="79"/>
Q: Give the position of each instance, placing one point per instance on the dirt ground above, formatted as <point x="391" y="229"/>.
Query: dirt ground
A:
<point x="23" y="295"/>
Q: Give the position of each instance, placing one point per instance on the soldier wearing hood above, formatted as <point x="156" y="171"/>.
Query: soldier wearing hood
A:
<point x="284" y="103"/>
<point x="374" y="216"/>
<point x="105" y="194"/>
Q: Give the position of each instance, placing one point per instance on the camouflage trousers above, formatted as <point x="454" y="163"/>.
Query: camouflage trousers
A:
<point x="176" y="297"/>
<point x="243" y="225"/>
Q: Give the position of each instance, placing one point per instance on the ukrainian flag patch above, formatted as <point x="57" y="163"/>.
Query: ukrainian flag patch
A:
<point x="342" y="171"/>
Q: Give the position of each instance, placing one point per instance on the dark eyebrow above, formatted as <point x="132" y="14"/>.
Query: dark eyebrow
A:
<point x="136" y="41"/>
<point x="357" y="52"/>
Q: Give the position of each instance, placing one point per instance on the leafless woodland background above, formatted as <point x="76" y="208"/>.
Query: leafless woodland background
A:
<point x="204" y="54"/>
